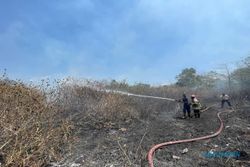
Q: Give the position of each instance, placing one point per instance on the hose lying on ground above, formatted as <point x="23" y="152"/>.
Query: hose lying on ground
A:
<point x="154" y="148"/>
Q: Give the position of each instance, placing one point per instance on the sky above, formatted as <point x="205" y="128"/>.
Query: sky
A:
<point x="148" y="41"/>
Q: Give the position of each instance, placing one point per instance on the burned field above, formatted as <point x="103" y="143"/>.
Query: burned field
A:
<point x="82" y="126"/>
<point x="126" y="139"/>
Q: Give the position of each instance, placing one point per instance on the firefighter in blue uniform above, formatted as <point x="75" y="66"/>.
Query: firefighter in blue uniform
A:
<point x="186" y="106"/>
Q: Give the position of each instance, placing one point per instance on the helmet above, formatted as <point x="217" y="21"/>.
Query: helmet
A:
<point x="193" y="96"/>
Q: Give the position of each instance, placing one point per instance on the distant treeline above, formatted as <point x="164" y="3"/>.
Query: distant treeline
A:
<point x="227" y="79"/>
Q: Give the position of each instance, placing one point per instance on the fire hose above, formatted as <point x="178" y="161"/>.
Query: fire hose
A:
<point x="158" y="146"/>
<point x="154" y="148"/>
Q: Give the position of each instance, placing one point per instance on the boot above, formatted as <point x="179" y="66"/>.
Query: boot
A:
<point x="198" y="115"/>
<point x="189" y="115"/>
<point x="184" y="115"/>
<point x="195" y="115"/>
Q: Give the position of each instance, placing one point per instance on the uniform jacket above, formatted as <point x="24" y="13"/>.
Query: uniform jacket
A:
<point x="225" y="97"/>
<point x="196" y="105"/>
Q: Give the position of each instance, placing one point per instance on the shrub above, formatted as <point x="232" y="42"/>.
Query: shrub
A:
<point x="29" y="134"/>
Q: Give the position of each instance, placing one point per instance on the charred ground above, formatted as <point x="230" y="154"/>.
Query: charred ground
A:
<point x="107" y="129"/>
<point x="125" y="141"/>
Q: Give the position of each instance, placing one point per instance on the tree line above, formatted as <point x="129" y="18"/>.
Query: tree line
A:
<point x="238" y="78"/>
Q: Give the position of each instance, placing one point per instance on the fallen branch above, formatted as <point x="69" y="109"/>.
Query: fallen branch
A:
<point x="140" y="143"/>
<point x="5" y="144"/>
<point x="124" y="152"/>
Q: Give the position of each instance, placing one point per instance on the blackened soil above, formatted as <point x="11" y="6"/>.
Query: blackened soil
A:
<point x="124" y="144"/>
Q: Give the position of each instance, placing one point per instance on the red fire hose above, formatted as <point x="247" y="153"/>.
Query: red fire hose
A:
<point x="154" y="148"/>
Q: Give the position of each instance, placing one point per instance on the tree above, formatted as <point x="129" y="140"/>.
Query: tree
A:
<point x="188" y="78"/>
<point x="209" y="79"/>
<point x="242" y="74"/>
<point x="246" y="62"/>
<point x="225" y="71"/>
<point x="118" y="84"/>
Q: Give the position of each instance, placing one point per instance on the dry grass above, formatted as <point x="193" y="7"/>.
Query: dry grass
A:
<point x="113" y="107"/>
<point x="37" y="131"/>
<point x="29" y="135"/>
<point x="82" y="101"/>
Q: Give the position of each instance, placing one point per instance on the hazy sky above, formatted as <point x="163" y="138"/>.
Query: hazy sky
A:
<point x="138" y="40"/>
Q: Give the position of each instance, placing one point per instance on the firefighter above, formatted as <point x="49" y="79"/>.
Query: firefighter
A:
<point x="225" y="98"/>
<point x="186" y="106"/>
<point x="196" y="106"/>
